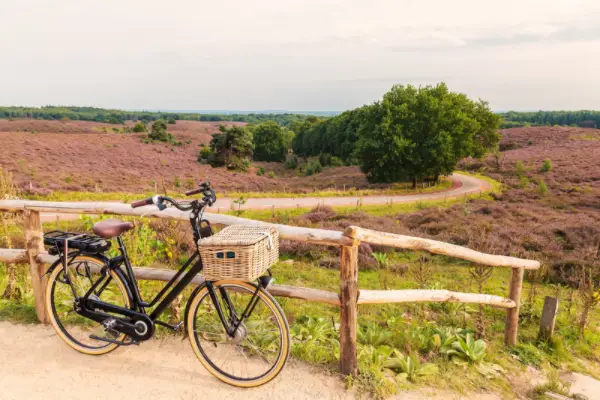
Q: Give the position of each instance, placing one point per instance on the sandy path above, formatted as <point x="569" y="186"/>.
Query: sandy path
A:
<point x="462" y="185"/>
<point x="36" y="364"/>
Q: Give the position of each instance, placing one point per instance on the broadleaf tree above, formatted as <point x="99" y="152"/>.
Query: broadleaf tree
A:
<point x="270" y="142"/>
<point x="414" y="133"/>
<point x="231" y="148"/>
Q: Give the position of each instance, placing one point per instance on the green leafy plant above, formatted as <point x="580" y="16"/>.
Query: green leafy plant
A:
<point x="373" y="335"/>
<point x="467" y="350"/>
<point x="315" y="340"/>
<point x="383" y="263"/>
<point x="443" y="337"/>
<point x="410" y="367"/>
<point x="260" y="171"/>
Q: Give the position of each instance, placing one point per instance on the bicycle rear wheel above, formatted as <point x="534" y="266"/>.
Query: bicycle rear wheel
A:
<point x="259" y="349"/>
<point x="74" y="329"/>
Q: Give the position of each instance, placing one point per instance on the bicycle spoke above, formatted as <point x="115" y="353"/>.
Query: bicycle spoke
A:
<point x="77" y="328"/>
<point x="256" y="346"/>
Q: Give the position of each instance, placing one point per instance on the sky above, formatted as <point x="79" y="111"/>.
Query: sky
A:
<point x="297" y="54"/>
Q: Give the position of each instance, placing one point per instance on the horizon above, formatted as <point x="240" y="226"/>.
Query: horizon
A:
<point x="264" y="111"/>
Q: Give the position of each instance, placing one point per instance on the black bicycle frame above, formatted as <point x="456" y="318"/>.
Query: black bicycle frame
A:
<point x="184" y="280"/>
<point x="168" y="293"/>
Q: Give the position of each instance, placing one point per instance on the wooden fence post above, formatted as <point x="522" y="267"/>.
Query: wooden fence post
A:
<point x="348" y="308"/>
<point x="512" y="314"/>
<point x="35" y="245"/>
<point x="548" y="320"/>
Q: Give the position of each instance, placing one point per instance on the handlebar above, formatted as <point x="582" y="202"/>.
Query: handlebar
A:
<point x="141" y="203"/>
<point x="208" y="199"/>
<point x="194" y="191"/>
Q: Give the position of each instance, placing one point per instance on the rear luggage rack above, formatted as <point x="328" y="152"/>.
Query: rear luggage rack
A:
<point x="80" y="241"/>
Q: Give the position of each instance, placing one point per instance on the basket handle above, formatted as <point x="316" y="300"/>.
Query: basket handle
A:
<point x="270" y="236"/>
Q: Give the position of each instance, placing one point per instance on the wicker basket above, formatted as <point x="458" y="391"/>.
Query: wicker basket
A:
<point x="239" y="252"/>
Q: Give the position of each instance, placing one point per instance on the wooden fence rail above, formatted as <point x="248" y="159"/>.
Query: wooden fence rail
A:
<point x="349" y="296"/>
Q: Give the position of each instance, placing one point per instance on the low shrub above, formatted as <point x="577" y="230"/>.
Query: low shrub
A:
<point x="546" y="166"/>
<point x="542" y="188"/>
<point x="291" y="161"/>
<point x="139" y="127"/>
<point x="313" y="167"/>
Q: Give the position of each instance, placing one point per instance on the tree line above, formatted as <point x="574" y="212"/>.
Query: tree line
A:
<point x="235" y="147"/>
<point x="120" y="116"/>
<point x="411" y="134"/>
<point x="582" y="118"/>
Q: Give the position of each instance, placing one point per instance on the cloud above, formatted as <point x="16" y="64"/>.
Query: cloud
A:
<point x="444" y="38"/>
<point x="296" y="54"/>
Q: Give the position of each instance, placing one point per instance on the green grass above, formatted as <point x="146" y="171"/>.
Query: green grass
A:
<point x="585" y="137"/>
<point x="409" y="327"/>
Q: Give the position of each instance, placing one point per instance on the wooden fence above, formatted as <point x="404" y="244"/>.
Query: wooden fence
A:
<point x="349" y="295"/>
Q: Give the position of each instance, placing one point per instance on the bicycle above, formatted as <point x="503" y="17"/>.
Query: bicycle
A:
<point x="237" y="329"/>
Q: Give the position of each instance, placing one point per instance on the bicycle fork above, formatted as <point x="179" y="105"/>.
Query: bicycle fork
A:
<point x="234" y="323"/>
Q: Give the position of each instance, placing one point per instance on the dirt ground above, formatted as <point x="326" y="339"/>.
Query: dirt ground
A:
<point x="36" y="364"/>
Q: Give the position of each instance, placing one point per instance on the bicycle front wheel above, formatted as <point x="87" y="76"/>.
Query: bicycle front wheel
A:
<point x="260" y="347"/>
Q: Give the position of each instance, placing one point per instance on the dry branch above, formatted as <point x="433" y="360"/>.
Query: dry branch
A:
<point x="433" y="246"/>
<point x="318" y="236"/>
<point x="157" y="274"/>
<point x="418" y="295"/>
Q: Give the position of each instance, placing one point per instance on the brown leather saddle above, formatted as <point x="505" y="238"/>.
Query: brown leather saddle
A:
<point x="111" y="228"/>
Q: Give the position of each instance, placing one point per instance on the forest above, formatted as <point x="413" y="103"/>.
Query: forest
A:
<point x="411" y="134"/>
<point x="120" y="116"/>
<point x="581" y="118"/>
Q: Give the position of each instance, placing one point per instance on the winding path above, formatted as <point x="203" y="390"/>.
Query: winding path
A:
<point x="461" y="185"/>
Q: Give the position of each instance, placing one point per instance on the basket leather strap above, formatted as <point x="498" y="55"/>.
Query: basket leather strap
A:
<point x="270" y="236"/>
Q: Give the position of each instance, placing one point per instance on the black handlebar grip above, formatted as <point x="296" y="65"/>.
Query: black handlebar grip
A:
<point x="141" y="203"/>
<point x="194" y="191"/>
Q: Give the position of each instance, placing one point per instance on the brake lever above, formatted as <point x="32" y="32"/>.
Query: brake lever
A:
<point x="158" y="200"/>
